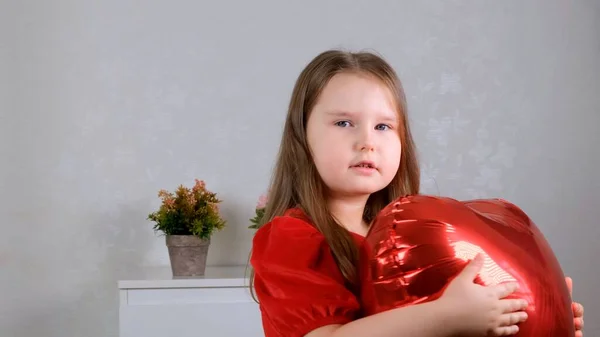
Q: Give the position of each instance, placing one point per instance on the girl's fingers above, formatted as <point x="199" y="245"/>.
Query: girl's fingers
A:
<point x="513" y="318"/>
<point x="513" y="305"/>
<point x="577" y="309"/>
<point x="505" y="289"/>
<point x="578" y="323"/>
<point x="506" y="330"/>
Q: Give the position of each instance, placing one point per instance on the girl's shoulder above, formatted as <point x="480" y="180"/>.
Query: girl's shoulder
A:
<point x="290" y="238"/>
<point x="292" y="225"/>
<point x="297" y="281"/>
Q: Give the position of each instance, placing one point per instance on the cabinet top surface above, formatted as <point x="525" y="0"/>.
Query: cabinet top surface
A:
<point x="162" y="277"/>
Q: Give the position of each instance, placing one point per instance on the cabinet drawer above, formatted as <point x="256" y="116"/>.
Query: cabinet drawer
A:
<point x="188" y="296"/>
<point x="189" y="312"/>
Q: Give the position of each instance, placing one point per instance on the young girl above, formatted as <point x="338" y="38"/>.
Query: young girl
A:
<point x="346" y="152"/>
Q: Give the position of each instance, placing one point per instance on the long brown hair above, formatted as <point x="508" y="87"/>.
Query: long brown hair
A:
<point x="296" y="182"/>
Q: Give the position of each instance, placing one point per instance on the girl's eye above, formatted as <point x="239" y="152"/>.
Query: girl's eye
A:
<point x="342" y="123"/>
<point x="382" y="127"/>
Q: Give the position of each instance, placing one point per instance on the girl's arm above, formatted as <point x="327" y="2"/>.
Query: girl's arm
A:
<point x="422" y="320"/>
<point x="464" y="308"/>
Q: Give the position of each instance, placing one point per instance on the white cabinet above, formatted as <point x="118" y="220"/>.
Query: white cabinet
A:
<point x="218" y="304"/>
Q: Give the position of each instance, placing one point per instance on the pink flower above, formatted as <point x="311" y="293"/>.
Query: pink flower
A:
<point x="170" y="203"/>
<point x="199" y="185"/>
<point x="262" y="201"/>
<point x="163" y="194"/>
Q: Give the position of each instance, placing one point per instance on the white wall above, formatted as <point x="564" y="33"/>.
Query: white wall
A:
<point x="108" y="101"/>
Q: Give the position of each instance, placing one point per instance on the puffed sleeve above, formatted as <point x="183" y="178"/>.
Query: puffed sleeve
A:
<point x="297" y="282"/>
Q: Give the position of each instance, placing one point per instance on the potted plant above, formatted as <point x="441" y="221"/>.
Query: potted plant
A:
<point x="188" y="218"/>
<point x="261" y="205"/>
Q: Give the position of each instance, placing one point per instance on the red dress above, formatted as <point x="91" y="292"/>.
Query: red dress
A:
<point x="297" y="282"/>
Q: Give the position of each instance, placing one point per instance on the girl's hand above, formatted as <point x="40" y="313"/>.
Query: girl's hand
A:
<point x="480" y="310"/>
<point x="577" y="311"/>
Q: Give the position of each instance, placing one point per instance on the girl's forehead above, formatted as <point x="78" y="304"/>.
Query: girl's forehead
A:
<point x="355" y="92"/>
<point x="354" y="96"/>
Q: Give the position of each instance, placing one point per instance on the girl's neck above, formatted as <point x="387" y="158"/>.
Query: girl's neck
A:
<point x="349" y="212"/>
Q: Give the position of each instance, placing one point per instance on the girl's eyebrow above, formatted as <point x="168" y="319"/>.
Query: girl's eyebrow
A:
<point x="346" y="114"/>
<point x="340" y="113"/>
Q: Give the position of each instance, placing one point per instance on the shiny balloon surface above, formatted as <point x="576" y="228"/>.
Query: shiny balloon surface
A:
<point x="417" y="244"/>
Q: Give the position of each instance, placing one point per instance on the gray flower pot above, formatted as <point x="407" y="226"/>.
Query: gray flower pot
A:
<point x="187" y="254"/>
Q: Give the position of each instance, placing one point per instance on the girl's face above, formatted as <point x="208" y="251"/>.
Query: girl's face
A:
<point x="353" y="135"/>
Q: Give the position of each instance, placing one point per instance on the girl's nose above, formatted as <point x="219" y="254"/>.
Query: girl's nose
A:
<point x="365" y="141"/>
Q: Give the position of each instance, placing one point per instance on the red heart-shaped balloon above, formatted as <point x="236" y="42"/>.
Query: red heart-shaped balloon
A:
<point x="417" y="244"/>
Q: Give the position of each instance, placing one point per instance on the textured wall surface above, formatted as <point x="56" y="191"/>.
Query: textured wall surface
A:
<point x="106" y="102"/>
